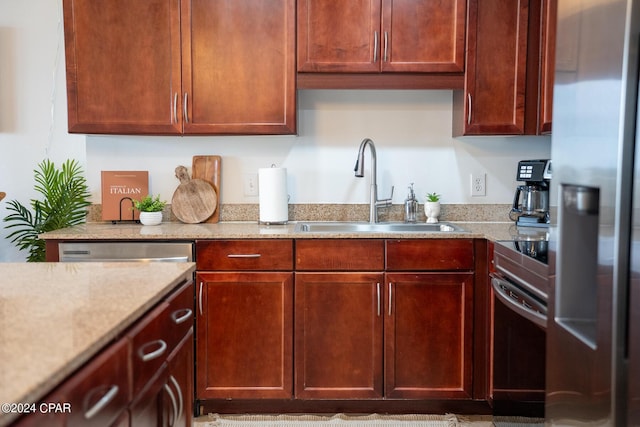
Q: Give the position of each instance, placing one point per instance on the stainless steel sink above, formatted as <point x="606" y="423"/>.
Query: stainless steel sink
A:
<point x="381" y="227"/>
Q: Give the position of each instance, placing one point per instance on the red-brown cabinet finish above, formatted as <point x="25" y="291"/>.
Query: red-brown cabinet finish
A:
<point x="509" y="79"/>
<point x="338" y="336"/>
<point x="181" y="66"/>
<point x="428" y="335"/>
<point x="244" y="255"/>
<point x="547" y="65"/>
<point x="495" y="81"/>
<point x="123" y="66"/>
<point x="372" y="36"/>
<point x="244" y="335"/>
<point x="238" y="67"/>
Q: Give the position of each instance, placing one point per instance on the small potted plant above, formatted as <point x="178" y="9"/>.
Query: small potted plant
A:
<point x="150" y="209"/>
<point x="432" y="207"/>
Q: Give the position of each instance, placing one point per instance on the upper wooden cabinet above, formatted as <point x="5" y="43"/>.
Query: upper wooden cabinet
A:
<point x="180" y="66"/>
<point x="238" y="66"/>
<point x="547" y="65"/>
<point x="370" y="36"/>
<point x="509" y="78"/>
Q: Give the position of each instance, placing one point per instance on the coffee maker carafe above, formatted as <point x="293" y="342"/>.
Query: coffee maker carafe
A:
<point x="531" y="201"/>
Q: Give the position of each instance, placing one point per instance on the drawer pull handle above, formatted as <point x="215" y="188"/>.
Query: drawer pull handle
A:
<point x="102" y="403"/>
<point x="180" y="398"/>
<point x="178" y="318"/>
<point x="174" y="404"/>
<point x="390" y="297"/>
<point x="244" y="256"/>
<point x="378" y="292"/>
<point x="200" y="298"/>
<point x="146" y="357"/>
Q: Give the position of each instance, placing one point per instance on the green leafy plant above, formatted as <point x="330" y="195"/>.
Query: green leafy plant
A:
<point x="66" y="196"/>
<point x="149" y="204"/>
<point x="432" y="197"/>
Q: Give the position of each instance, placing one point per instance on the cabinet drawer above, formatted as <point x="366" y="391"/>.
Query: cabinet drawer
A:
<point x="149" y="346"/>
<point x="340" y="255"/>
<point x="180" y="314"/>
<point x="99" y="392"/>
<point x="429" y="254"/>
<point x="259" y="254"/>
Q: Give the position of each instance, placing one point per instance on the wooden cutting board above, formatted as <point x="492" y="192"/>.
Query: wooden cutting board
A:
<point x="194" y="200"/>
<point x="208" y="168"/>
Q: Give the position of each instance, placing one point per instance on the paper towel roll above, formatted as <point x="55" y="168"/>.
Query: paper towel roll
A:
<point x="273" y="197"/>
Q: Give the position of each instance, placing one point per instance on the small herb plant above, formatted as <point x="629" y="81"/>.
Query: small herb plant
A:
<point x="149" y="204"/>
<point x="432" y="197"/>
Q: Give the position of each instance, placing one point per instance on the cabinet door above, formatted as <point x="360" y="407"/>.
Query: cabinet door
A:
<point x="547" y="66"/>
<point x="178" y="396"/>
<point x="238" y="59"/>
<point x="244" y="335"/>
<point x="123" y="66"/>
<point x="339" y="36"/>
<point x="428" y="335"/>
<point x="423" y="35"/>
<point x="495" y="84"/>
<point x="338" y="335"/>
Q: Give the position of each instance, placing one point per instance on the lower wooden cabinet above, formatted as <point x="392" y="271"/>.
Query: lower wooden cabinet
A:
<point x="428" y="335"/>
<point x="144" y="378"/>
<point x="338" y="335"/>
<point x="343" y="320"/>
<point x="244" y="335"/>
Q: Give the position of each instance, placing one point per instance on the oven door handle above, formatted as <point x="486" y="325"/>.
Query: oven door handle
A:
<point x="503" y="291"/>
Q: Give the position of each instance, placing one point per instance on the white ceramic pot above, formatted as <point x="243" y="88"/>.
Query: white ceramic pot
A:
<point x="150" y="218"/>
<point x="432" y="211"/>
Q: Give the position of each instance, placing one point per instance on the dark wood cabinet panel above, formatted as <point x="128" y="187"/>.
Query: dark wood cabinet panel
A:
<point x="547" y="65"/>
<point x="429" y="255"/>
<point x="238" y="66"/>
<point x="428" y="336"/>
<point x="336" y="35"/>
<point x="244" y="255"/>
<point x="374" y="36"/>
<point x="338" y="337"/>
<point x="339" y="255"/>
<point x="423" y="36"/>
<point x="181" y="66"/>
<point x="244" y="335"/>
<point x="123" y="65"/>
<point x="494" y="96"/>
<point x="509" y="78"/>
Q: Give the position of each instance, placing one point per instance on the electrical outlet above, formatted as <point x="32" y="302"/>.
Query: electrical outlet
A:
<point x="478" y="184"/>
<point x="250" y="182"/>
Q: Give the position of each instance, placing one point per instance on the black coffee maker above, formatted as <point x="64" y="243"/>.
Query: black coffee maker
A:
<point x="531" y="201"/>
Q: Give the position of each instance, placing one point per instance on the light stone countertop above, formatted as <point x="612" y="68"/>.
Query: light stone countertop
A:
<point x="253" y="230"/>
<point x="54" y="317"/>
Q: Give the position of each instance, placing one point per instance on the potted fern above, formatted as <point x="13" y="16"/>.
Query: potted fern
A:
<point x="66" y="197"/>
<point x="432" y="207"/>
<point x="150" y="209"/>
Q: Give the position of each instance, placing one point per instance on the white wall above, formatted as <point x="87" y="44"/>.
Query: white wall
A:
<point x="411" y="129"/>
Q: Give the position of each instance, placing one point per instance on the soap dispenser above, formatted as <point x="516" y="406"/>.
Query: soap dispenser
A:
<point x="410" y="206"/>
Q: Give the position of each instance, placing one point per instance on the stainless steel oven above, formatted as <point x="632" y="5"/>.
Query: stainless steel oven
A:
<point x="519" y="280"/>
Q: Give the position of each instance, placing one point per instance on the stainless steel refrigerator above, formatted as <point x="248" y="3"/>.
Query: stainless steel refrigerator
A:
<point x="593" y="334"/>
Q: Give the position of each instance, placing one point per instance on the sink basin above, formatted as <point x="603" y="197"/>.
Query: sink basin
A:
<point x="381" y="227"/>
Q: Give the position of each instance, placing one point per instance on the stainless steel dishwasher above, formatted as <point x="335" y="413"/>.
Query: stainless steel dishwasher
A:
<point x="126" y="252"/>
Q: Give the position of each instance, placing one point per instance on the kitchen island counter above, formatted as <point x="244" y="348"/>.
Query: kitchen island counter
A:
<point x="253" y="230"/>
<point x="54" y="317"/>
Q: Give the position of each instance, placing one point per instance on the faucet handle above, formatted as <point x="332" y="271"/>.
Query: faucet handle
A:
<point x="383" y="203"/>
